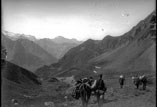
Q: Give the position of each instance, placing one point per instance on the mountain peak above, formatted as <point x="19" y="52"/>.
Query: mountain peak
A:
<point x="61" y="39"/>
<point x="16" y="36"/>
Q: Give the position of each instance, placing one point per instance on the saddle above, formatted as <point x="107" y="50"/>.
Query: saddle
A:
<point x="78" y="89"/>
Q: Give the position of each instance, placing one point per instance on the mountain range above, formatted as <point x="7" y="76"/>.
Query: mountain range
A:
<point x="57" y="46"/>
<point x="132" y="52"/>
<point x="31" y="53"/>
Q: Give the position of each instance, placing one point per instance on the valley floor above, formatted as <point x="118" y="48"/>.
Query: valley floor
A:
<point x="114" y="97"/>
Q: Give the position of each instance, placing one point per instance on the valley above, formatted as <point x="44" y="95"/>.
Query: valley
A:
<point x="42" y="73"/>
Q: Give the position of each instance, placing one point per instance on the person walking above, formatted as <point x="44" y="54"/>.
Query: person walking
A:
<point x="100" y="90"/>
<point x="121" y="80"/>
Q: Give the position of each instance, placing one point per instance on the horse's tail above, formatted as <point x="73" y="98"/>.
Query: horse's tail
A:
<point x="84" y="91"/>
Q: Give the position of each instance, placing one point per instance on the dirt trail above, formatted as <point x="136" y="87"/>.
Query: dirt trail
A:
<point x="114" y="97"/>
<point x="138" y="98"/>
<point x="126" y="97"/>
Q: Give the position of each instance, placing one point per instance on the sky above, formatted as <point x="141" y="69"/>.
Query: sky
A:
<point x="79" y="19"/>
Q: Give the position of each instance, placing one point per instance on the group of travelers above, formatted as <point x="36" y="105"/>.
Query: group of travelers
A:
<point x="140" y="80"/>
<point x="86" y="87"/>
<point x="137" y="81"/>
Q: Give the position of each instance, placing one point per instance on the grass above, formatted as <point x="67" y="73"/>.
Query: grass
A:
<point x="114" y="97"/>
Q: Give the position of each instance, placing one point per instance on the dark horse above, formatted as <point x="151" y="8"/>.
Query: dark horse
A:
<point x="83" y="91"/>
<point x="142" y="80"/>
<point x="85" y="88"/>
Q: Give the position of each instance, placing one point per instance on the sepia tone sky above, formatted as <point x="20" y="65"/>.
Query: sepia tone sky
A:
<point x="80" y="19"/>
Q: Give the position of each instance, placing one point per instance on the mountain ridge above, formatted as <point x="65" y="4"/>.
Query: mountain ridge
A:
<point x="57" y="47"/>
<point x="26" y="53"/>
<point x="140" y="38"/>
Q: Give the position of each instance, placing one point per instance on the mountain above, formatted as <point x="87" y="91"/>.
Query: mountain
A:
<point x="26" y="53"/>
<point x="57" y="48"/>
<point x="133" y="51"/>
<point x="17" y="82"/>
<point x="137" y="55"/>
<point x="16" y="36"/>
<point x="61" y="40"/>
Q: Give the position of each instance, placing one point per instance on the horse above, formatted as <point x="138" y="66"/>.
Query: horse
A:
<point x="83" y="91"/>
<point x="141" y="80"/>
<point x="136" y="81"/>
<point x="86" y="87"/>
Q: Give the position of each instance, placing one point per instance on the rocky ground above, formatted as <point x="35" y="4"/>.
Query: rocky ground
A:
<point x="54" y="94"/>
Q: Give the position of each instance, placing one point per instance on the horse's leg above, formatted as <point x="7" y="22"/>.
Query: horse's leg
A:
<point x="83" y="102"/>
<point x="88" y="97"/>
<point x="86" y="103"/>
<point x="144" y="85"/>
<point x="137" y="85"/>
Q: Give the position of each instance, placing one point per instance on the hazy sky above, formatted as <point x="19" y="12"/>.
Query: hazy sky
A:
<point x="80" y="19"/>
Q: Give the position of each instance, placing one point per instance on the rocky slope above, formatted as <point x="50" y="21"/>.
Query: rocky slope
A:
<point x="17" y="83"/>
<point x="57" y="47"/>
<point x="26" y="53"/>
<point x="132" y="51"/>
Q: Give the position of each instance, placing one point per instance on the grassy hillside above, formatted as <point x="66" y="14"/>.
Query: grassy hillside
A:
<point x="17" y="82"/>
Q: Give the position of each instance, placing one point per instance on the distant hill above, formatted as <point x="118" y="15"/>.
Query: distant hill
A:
<point x="17" y="82"/>
<point x="62" y="40"/>
<point x="18" y="74"/>
<point x="57" y="47"/>
<point x="26" y="53"/>
<point x="16" y="36"/>
<point x="133" y="51"/>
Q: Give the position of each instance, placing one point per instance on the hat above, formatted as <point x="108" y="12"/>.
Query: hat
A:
<point x="121" y="76"/>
